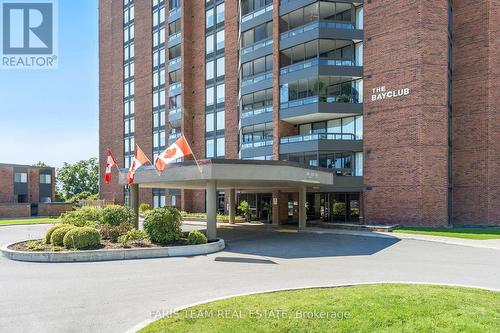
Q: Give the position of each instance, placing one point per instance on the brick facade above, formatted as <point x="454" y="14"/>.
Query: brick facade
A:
<point x="111" y="94"/>
<point x="10" y="210"/>
<point x="6" y="185"/>
<point x="406" y="138"/>
<point x="476" y="120"/>
<point x="54" y="209"/>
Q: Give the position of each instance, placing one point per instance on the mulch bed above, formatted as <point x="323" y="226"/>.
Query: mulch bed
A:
<point x="106" y="244"/>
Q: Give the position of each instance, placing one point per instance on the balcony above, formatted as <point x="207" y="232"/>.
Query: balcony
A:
<point x="175" y="39"/>
<point x="174" y="64"/>
<point x="174" y="116"/>
<point x="256" y="148"/>
<point x="256" y="116"/>
<point x="174" y="88"/>
<point x="256" y="50"/>
<point x="174" y="14"/>
<point x="256" y="82"/>
<point x="256" y="18"/>
<point x="321" y="67"/>
<point x="316" y="108"/>
<point x="320" y="142"/>
<point x="320" y="30"/>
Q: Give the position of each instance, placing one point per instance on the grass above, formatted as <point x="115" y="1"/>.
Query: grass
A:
<point x="468" y="233"/>
<point x="368" y="308"/>
<point x="29" y="221"/>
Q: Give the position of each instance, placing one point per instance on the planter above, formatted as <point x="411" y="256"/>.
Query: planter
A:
<point x="113" y="254"/>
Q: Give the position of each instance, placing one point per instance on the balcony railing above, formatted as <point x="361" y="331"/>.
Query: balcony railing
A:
<point x="174" y="86"/>
<point x="317" y="25"/>
<point x="318" y="136"/>
<point x="256" y="144"/>
<point x="174" y="61"/>
<point x="174" y="136"/>
<point x="246" y="113"/>
<point x="174" y="11"/>
<point x="257" y="45"/>
<point x="256" y="78"/>
<point x="317" y="99"/>
<point x="257" y="13"/>
<point x="173" y="112"/>
<point x="316" y="62"/>
<point x="174" y="36"/>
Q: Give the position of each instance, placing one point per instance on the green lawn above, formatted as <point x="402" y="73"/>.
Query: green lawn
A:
<point x="470" y="233"/>
<point x="368" y="308"/>
<point x="29" y="221"/>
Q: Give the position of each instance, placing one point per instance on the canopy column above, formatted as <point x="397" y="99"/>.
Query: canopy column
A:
<point x="134" y="203"/>
<point x="211" y="210"/>
<point x="302" y="207"/>
<point x="232" y="206"/>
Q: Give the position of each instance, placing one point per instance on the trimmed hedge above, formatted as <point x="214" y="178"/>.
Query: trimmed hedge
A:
<point x="82" y="238"/>
<point x="57" y="236"/>
<point x="82" y="217"/>
<point x="163" y="225"/>
<point x="114" y="215"/>
<point x="52" y="229"/>
<point x="113" y="233"/>
<point x="195" y="237"/>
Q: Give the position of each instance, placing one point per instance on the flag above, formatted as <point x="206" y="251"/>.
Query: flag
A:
<point x="109" y="164"/>
<point x="178" y="149"/>
<point x="139" y="160"/>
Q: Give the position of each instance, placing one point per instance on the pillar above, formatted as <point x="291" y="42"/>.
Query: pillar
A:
<point x="134" y="203"/>
<point x="232" y="206"/>
<point x="302" y="207"/>
<point x="211" y="211"/>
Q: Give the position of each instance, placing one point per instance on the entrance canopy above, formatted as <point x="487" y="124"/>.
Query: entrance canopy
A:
<point x="232" y="174"/>
<point x="213" y="175"/>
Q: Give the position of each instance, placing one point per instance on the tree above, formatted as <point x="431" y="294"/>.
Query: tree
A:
<point x="82" y="176"/>
<point x="41" y="164"/>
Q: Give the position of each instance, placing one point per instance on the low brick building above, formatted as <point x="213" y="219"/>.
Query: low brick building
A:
<point x="23" y="188"/>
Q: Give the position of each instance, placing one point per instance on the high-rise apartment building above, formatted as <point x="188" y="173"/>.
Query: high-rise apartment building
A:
<point x="398" y="99"/>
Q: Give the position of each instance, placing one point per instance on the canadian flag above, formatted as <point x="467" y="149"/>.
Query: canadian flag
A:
<point x="178" y="149"/>
<point x="109" y="164"/>
<point x="139" y="160"/>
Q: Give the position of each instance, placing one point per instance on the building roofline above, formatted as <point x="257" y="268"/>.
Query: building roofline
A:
<point x="10" y="165"/>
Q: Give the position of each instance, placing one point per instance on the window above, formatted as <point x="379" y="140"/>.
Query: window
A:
<point x="209" y="122"/>
<point x="221" y="120"/>
<point x="209" y="44"/>
<point x="220" y="13"/>
<point x="20" y="177"/>
<point x="174" y="201"/>
<point x="209" y="22"/>
<point x="248" y="6"/>
<point x="358" y="164"/>
<point x="221" y="94"/>
<point x="220" y="40"/>
<point x="257" y="34"/>
<point x="210" y="148"/>
<point x="210" y="96"/>
<point x="221" y="69"/>
<point x="220" y="147"/>
<point x="210" y="70"/>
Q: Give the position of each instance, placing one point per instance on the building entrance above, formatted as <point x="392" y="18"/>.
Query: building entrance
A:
<point x="333" y="207"/>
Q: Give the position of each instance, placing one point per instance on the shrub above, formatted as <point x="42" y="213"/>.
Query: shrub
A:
<point x="114" y="215"/>
<point x="82" y="238"/>
<point x="58" y="235"/>
<point x="163" y="225"/>
<point x="52" y="229"/>
<point x="114" y="232"/>
<point x="244" y="207"/>
<point x="338" y="208"/>
<point x="85" y="195"/>
<point x="195" y="237"/>
<point x="36" y="245"/>
<point x="134" y="235"/>
<point x="82" y="217"/>
<point x="144" y="207"/>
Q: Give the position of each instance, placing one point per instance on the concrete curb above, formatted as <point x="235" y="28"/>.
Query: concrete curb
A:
<point x="115" y="254"/>
<point x="25" y="224"/>
<point x="145" y="323"/>
<point x="480" y="244"/>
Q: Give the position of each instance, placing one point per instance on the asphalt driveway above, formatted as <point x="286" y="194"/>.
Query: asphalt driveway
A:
<point x="116" y="296"/>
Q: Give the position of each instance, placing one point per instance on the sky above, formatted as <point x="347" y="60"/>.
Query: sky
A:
<point x="52" y="115"/>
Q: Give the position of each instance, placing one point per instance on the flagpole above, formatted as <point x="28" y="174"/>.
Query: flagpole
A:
<point x="192" y="153"/>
